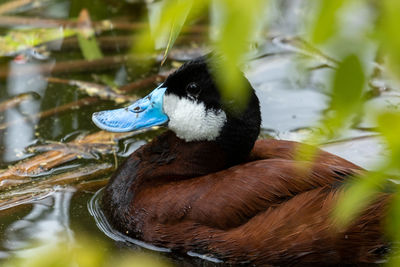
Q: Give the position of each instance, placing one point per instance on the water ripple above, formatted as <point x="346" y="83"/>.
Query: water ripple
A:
<point x="107" y="229"/>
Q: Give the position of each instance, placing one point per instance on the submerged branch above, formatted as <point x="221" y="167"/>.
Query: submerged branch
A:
<point x="40" y="188"/>
<point x="71" y="66"/>
<point x="42" y="163"/>
<point x="144" y="82"/>
<point x="94" y="89"/>
<point x="13" y="5"/>
<point x="16" y="100"/>
<point x="117" y="43"/>
<point x="12" y="21"/>
<point x="44" y="114"/>
<point x="104" y="25"/>
<point x="85" y="101"/>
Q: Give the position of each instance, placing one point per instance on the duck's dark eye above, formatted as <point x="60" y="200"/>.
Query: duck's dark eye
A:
<point x="193" y="89"/>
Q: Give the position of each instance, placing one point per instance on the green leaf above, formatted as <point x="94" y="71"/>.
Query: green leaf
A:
<point x="89" y="47"/>
<point x="86" y="38"/>
<point x="362" y="190"/>
<point x="326" y="22"/>
<point x="389" y="33"/>
<point x="84" y="252"/>
<point x="392" y="228"/>
<point x="235" y="29"/>
<point x="182" y="10"/>
<point x="389" y="127"/>
<point x="348" y="86"/>
<point x="155" y="13"/>
<point x="358" y="194"/>
<point x="347" y="93"/>
<point x="167" y="19"/>
<point x="393" y="220"/>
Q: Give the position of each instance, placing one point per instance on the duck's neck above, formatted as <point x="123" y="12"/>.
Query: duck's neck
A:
<point x="169" y="158"/>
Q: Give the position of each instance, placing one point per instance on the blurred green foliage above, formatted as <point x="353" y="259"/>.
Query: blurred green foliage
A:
<point x="236" y="29"/>
<point x="86" y="252"/>
<point x="326" y="21"/>
<point x="346" y="93"/>
<point x="388" y="32"/>
<point x="89" y="46"/>
<point x="20" y="39"/>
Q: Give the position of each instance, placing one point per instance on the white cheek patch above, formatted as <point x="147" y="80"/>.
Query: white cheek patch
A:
<point x="191" y="120"/>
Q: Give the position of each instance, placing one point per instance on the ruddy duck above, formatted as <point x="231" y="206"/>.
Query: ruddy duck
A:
<point x="207" y="185"/>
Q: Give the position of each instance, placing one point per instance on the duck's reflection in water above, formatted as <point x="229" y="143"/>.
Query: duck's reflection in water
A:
<point x="20" y="132"/>
<point x="47" y="225"/>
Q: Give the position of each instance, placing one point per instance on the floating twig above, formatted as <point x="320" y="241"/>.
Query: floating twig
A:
<point x="298" y="45"/>
<point x="86" y="151"/>
<point x="92" y="185"/>
<point x="349" y="139"/>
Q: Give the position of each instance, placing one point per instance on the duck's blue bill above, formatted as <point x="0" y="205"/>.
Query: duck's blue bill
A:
<point x="144" y="113"/>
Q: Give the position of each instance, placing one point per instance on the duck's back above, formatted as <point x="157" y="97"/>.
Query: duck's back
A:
<point x="271" y="209"/>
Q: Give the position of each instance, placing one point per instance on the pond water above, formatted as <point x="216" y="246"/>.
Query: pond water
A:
<point x="53" y="158"/>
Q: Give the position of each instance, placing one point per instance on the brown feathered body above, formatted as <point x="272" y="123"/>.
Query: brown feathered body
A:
<point x="270" y="209"/>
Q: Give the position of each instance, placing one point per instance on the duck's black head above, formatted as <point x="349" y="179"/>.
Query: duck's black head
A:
<point x="190" y="104"/>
